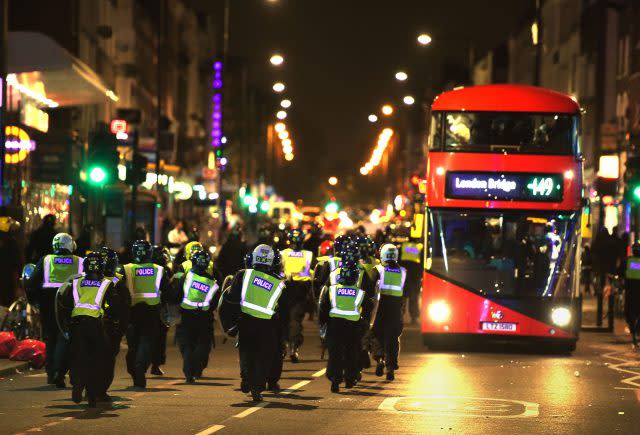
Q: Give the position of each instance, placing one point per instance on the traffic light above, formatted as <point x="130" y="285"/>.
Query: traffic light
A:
<point x="102" y="165"/>
<point x="332" y="207"/>
<point x="632" y="180"/>
<point x="137" y="170"/>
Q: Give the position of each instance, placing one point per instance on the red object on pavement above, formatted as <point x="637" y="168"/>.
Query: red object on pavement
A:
<point x="29" y="350"/>
<point x="7" y="343"/>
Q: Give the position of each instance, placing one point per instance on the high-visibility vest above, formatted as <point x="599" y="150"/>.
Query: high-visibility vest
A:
<point x="260" y="294"/>
<point x="198" y="291"/>
<point x="144" y="281"/>
<point x="58" y="268"/>
<point x="187" y="265"/>
<point x="369" y="266"/>
<point x="391" y="280"/>
<point x="345" y="302"/>
<point x="410" y="252"/>
<point x="633" y="268"/>
<point x="334" y="277"/>
<point x="115" y="279"/>
<point x="88" y="295"/>
<point x="297" y="264"/>
<point x="334" y="262"/>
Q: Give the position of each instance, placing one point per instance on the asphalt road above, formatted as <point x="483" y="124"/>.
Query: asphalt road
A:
<point x="507" y="391"/>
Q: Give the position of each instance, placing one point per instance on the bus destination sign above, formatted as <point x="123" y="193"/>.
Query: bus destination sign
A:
<point x="514" y="186"/>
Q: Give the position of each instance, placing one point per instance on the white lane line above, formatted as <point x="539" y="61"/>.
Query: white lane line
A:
<point x="251" y="410"/>
<point x="212" y="429"/>
<point x="319" y="373"/>
<point x="294" y="387"/>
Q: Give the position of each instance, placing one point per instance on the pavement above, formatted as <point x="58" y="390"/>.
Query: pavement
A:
<point x="509" y="390"/>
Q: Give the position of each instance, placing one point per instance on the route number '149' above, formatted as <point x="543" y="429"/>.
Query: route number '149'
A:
<point x="542" y="186"/>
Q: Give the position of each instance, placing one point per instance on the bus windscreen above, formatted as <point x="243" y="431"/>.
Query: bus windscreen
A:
<point x="510" y="132"/>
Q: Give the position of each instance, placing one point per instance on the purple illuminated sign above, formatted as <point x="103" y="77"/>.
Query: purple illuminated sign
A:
<point x="216" y="110"/>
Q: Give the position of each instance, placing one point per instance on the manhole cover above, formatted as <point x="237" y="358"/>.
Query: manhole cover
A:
<point x="460" y="406"/>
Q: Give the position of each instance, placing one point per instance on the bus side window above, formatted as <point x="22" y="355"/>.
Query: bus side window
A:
<point x="435" y="135"/>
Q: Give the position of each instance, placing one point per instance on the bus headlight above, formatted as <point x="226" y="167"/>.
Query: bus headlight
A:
<point x="561" y="316"/>
<point x="439" y="312"/>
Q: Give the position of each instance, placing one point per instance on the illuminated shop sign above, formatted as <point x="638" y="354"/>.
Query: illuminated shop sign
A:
<point x="18" y="145"/>
<point x="33" y="117"/>
<point x="505" y="186"/>
<point x="216" y="112"/>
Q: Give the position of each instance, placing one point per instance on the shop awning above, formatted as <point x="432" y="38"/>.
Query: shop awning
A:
<point x="36" y="60"/>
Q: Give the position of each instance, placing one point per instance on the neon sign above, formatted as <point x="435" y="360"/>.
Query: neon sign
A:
<point x="216" y="112"/>
<point x="18" y="145"/>
<point x="505" y="186"/>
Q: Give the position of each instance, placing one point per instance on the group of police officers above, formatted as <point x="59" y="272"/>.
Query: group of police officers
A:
<point x="88" y="305"/>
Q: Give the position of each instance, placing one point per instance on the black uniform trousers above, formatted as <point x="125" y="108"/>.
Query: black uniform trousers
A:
<point x="299" y="294"/>
<point x="159" y="354"/>
<point x="57" y="346"/>
<point x="113" y="338"/>
<point x="632" y="303"/>
<point x="87" y="350"/>
<point x="142" y="335"/>
<point x="195" y="337"/>
<point x="279" y="352"/>
<point x="387" y="330"/>
<point x="257" y="343"/>
<point x="343" y="343"/>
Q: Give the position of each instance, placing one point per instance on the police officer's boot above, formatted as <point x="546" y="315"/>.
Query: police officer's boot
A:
<point x="390" y="375"/>
<point x="294" y="354"/>
<point x="156" y="370"/>
<point x="76" y="393"/>
<point x="335" y="387"/>
<point x="380" y="367"/>
<point x="256" y="396"/>
<point x="274" y="388"/>
<point x="244" y="386"/>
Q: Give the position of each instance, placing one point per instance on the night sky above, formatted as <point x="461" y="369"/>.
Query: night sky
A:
<point x="341" y="57"/>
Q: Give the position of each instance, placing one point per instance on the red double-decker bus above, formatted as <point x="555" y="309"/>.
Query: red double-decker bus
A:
<point x="504" y="198"/>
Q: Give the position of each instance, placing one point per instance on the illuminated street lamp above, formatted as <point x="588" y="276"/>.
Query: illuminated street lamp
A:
<point x="387" y="110"/>
<point x="424" y="39"/>
<point x="286" y="142"/>
<point x="373" y="118"/>
<point x="408" y="100"/>
<point x="288" y="157"/>
<point x="280" y="127"/>
<point x="401" y="76"/>
<point x="285" y="104"/>
<point x="333" y="181"/>
<point x="278" y="87"/>
<point x="364" y="171"/>
<point x="283" y="135"/>
<point x="276" y="60"/>
<point x="281" y="114"/>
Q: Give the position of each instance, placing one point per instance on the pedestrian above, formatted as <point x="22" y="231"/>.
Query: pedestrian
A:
<point x="40" y="241"/>
<point x="587" y="268"/>
<point x="50" y="273"/>
<point x="147" y="284"/>
<point x="197" y="294"/>
<point x="605" y="252"/>
<point x="342" y="308"/>
<point x="232" y="252"/>
<point x="177" y="237"/>
<point x="297" y="264"/>
<point x="252" y="302"/>
<point x="89" y="295"/>
<point x="411" y="260"/>
<point x="390" y="278"/>
<point x="12" y="261"/>
<point x="116" y="320"/>
<point x="84" y="241"/>
<point x="632" y="293"/>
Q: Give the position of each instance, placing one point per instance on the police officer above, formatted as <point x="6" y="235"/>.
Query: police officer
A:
<point x="329" y="263"/>
<point x="297" y="264"/>
<point x="197" y="294"/>
<point x="343" y="307"/>
<point x="147" y="285"/>
<point x="390" y="279"/>
<point x="88" y="294"/>
<point x="50" y="273"/>
<point x="281" y="319"/>
<point x="116" y="319"/>
<point x="161" y="257"/>
<point x="253" y="297"/>
<point x="411" y="260"/>
<point x="632" y="293"/>
<point x="367" y="248"/>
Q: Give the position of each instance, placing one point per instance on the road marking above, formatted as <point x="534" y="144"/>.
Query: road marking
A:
<point x="634" y="380"/>
<point x="212" y="429"/>
<point x="453" y="409"/>
<point x="319" y="373"/>
<point x="294" y="387"/>
<point x="251" y="410"/>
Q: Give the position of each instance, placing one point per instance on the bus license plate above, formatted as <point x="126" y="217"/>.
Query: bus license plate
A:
<point x="495" y="326"/>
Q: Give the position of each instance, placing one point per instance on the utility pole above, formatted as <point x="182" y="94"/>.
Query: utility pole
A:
<point x="160" y="95"/>
<point x="4" y="36"/>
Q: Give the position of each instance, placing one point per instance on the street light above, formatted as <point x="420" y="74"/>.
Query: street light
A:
<point x="408" y="100"/>
<point x="280" y="126"/>
<point x="286" y="142"/>
<point x="281" y="114"/>
<point x="283" y="135"/>
<point x="276" y="60"/>
<point x="373" y="118"/>
<point x="424" y="39"/>
<point x="401" y="76"/>
<point x="288" y="157"/>
<point x="387" y="110"/>
<point x="285" y="104"/>
<point x="333" y="181"/>
<point x="278" y="87"/>
<point x="364" y="171"/>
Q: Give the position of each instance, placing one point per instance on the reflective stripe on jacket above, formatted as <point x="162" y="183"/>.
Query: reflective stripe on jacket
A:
<point x="260" y="294"/>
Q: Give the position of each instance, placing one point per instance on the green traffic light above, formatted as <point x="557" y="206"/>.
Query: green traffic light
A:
<point x="265" y="206"/>
<point x="97" y="175"/>
<point x="332" y="207"/>
<point x="636" y="193"/>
